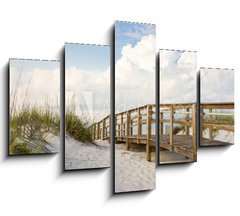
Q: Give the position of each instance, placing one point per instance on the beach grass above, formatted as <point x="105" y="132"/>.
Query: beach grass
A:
<point x="78" y="127"/>
<point x="29" y="128"/>
<point x="30" y="124"/>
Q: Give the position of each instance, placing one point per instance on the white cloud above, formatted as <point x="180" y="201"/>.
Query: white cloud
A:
<point x="90" y="91"/>
<point x="135" y="74"/>
<point x="177" y="76"/>
<point x="217" y="85"/>
<point x="35" y="87"/>
<point x="187" y="60"/>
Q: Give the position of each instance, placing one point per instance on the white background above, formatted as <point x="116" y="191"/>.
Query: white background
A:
<point x="38" y="29"/>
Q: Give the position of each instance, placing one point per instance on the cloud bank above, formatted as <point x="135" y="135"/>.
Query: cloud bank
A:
<point x="89" y="90"/>
<point x="135" y="74"/>
<point x="35" y="87"/>
<point x="217" y="85"/>
<point x="177" y="76"/>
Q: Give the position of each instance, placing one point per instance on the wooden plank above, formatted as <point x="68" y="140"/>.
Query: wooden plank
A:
<point x="218" y="122"/>
<point x="219" y="127"/>
<point x="218" y="106"/>
<point x="218" y="114"/>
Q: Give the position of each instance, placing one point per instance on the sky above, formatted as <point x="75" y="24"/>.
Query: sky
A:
<point x="134" y="65"/>
<point x="87" y="80"/>
<point x="79" y="55"/>
<point x="32" y="82"/>
<point x="177" y="76"/>
<point x="217" y="85"/>
<point x="130" y="33"/>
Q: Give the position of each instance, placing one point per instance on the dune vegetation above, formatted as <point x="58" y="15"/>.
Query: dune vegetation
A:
<point x="77" y="127"/>
<point x="30" y="123"/>
<point x="29" y="128"/>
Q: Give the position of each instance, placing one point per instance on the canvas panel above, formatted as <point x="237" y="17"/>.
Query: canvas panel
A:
<point x="87" y="106"/>
<point x="34" y="114"/>
<point x="135" y="110"/>
<point x="217" y="106"/>
<point x="177" y="108"/>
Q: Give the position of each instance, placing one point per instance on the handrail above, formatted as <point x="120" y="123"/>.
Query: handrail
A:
<point x="210" y="123"/>
<point x="130" y="123"/>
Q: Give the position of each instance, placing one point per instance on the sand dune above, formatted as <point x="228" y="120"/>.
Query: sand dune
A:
<point x="79" y="155"/>
<point x="53" y="143"/>
<point x="132" y="171"/>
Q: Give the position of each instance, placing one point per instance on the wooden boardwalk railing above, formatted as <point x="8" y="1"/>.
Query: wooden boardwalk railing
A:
<point x="183" y="114"/>
<point x="208" y="114"/>
<point x="101" y="129"/>
<point x="137" y="127"/>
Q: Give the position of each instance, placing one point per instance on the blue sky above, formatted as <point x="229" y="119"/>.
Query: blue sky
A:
<point x="87" y="79"/>
<point x="135" y="48"/>
<point x="87" y="57"/>
<point x="130" y="33"/>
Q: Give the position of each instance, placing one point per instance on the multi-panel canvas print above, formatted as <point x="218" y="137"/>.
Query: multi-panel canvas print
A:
<point x="135" y="110"/>
<point x="216" y="106"/>
<point x="87" y="106"/>
<point x="34" y="114"/>
<point x="177" y="110"/>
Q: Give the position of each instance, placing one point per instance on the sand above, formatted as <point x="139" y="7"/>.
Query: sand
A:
<point x="79" y="155"/>
<point x="132" y="171"/>
<point x="224" y="136"/>
<point x="53" y="143"/>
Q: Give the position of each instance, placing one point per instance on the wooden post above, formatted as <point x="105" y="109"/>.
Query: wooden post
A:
<point x="171" y="117"/>
<point x="98" y="130"/>
<point x="149" y="132"/>
<point x="131" y="124"/>
<point x="103" y="129"/>
<point x="109" y="129"/>
<point x="121" y="126"/>
<point x="201" y="125"/>
<point x="210" y="129"/>
<point x="186" y="126"/>
<point x="194" y="138"/>
<point x="127" y="129"/>
<point x="116" y="126"/>
<point x="94" y="131"/>
<point x="161" y="123"/>
<point x="139" y="126"/>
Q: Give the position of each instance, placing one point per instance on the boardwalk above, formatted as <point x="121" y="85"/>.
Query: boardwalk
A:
<point x="137" y="127"/>
<point x="210" y="119"/>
